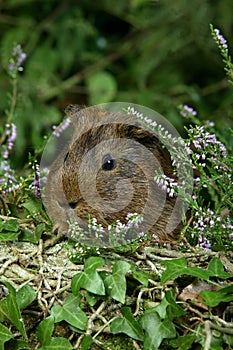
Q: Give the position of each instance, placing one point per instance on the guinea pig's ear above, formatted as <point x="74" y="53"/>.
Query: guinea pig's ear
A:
<point x="72" y="110"/>
<point x="74" y="113"/>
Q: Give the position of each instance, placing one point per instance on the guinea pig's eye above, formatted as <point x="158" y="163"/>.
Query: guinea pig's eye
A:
<point x="66" y="156"/>
<point x="108" y="162"/>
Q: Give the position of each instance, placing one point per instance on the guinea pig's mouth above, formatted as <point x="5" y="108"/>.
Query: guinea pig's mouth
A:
<point x="66" y="205"/>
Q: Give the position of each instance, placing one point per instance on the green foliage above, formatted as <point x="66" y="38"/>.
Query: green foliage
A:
<point x="70" y="312"/>
<point x="90" y="53"/>
<point x="154" y="53"/>
<point x="178" y="267"/>
<point x="89" y="279"/>
<point x="127" y="324"/>
<point x="223" y="295"/>
<point x="23" y="209"/>
<point x="115" y="283"/>
<point x="10" y="311"/>
<point x="154" y="326"/>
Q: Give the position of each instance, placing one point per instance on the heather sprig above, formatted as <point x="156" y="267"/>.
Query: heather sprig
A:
<point x="16" y="61"/>
<point x="179" y="150"/>
<point x="211" y="161"/>
<point x="35" y="185"/>
<point x="8" y="182"/>
<point x="114" y="235"/>
<point x="223" y="47"/>
<point x="58" y="130"/>
<point x="211" y="203"/>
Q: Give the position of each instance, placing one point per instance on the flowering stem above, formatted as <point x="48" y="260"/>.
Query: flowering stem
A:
<point x="11" y="111"/>
<point x="223" y="47"/>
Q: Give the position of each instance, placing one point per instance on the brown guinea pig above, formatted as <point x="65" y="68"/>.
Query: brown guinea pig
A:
<point x="107" y="171"/>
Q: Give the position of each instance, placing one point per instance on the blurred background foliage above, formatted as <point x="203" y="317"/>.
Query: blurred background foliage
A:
<point x="156" y="53"/>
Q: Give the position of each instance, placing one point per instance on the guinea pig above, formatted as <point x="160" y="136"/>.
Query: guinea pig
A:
<point x="107" y="171"/>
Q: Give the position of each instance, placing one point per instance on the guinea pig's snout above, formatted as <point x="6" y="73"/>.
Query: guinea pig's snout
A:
<point x="67" y="205"/>
<point x="73" y="205"/>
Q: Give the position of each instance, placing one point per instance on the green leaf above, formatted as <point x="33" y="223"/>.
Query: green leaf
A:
<point x="77" y="282"/>
<point x="18" y="344"/>
<point x="127" y="325"/>
<point x="216" y="269"/>
<point x="168" y="307"/>
<point x="89" y="279"/>
<point x="71" y="313"/>
<point x="9" y="236"/>
<point x="183" y="342"/>
<point x="142" y="277"/>
<point x="57" y="344"/>
<point x="5" y="334"/>
<point x="102" y="87"/>
<point x="25" y="296"/>
<point x="86" y="342"/>
<point x="156" y="330"/>
<point x="178" y="267"/>
<point x="45" y="330"/>
<point x="10" y="309"/>
<point x="35" y="209"/>
<point x="224" y="294"/>
<point x="90" y="298"/>
<point x="9" y="225"/>
<point x="174" y="268"/>
<point x="115" y="284"/>
<point x="34" y="235"/>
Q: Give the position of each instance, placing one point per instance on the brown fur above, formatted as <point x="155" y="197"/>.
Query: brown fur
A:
<point x="77" y="185"/>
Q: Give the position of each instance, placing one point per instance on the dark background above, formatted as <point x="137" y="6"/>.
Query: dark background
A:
<point x="159" y="54"/>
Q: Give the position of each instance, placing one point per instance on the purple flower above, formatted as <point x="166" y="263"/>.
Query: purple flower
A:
<point x="36" y="183"/>
<point x="13" y="136"/>
<point x="8" y="181"/>
<point x="11" y="133"/>
<point x="204" y="243"/>
<point x="187" y="111"/>
<point x="62" y="127"/>
<point x="18" y="57"/>
<point x="220" y="39"/>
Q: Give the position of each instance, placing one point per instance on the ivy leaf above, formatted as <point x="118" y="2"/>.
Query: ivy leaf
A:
<point x="10" y="230"/>
<point x="89" y="279"/>
<point x="45" y="330"/>
<point x="156" y="330"/>
<point x="35" y="209"/>
<point x="224" y="294"/>
<point x="116" y="283"/>
<point x="216" y="268"/>
<point x="86" y="342"/>
<point x="17" y="344"/>
<point x="90" y="298"/>
<point x="178" y="267"/>
<point x="70" y="312"/>
<point x="34" y="235"/>
<point x="183" y="342"/>
<point x="9" y="236"/>
<point x="58" y="344"/>
<point x="9" y="308"/>
<point x="9" y="225"/>
<point x="127" y="325"/>
<point x="141" y="276"/>
<point x="25" y="296"/>
<point x="5" y="335"/>
<point x="168" y="307"/>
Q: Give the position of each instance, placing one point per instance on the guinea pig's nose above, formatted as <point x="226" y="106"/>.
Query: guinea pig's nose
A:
<point x="73" y="205"/>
